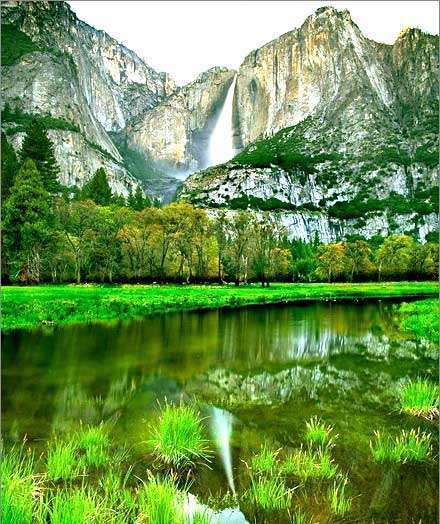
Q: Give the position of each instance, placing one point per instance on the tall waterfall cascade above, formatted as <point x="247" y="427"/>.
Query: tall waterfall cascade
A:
<point x="221" y="148"/>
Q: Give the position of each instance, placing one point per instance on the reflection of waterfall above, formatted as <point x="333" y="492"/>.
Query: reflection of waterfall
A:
<point x="221" y="147"/>
<point x="221" y="428"/>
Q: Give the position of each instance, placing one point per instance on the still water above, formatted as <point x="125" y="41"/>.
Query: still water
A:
<point x="271" y="368"/>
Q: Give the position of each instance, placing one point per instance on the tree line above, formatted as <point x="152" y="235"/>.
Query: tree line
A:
<point x="56" y="234"/>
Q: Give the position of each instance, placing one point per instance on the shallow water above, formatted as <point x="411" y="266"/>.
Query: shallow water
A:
<point x="271" y="367"/>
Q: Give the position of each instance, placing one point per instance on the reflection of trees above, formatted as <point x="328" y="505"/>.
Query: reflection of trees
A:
<point x="74" y="405"/>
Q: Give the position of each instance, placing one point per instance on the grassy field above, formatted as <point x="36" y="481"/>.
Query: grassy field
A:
<point x="421" y="319"/>
<point x="26" y="307"/>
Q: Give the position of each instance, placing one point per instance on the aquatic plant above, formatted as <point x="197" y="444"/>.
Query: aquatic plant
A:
<point x="306" y="464"/>
<point x="161" y="502"/>
<point x="94" y="442"/>
<point x="201" y="517"/>
<point x="178" y="438"/>
<point x="18" y="486"/>
<point x="408" y="446"/>
<point x="269" y="493"/>
<point x="318" y="433"/>
<point x="62" y="462"/>
<point x="420" y="398"/>
<point x="78" y="506"/>
<point x="265" y="461"/>
<point x="299" y="517"/>
<point x="340" y="502"/>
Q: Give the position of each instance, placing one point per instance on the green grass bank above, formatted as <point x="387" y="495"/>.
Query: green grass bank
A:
<point x="28" y="307"/>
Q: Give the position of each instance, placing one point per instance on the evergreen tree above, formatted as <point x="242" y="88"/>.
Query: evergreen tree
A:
<point x="98" y="189"/>
<point x="27" y="223"/>
<point x="9" y="167"/>
<point x="137" y="201"/>
<point x="39" y="148"/>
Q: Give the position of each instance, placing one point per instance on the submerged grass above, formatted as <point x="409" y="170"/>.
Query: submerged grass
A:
<point x="408" y="446"/>
<point x="420" y="398"/>
<point x="25" y="307"/>
<point x="177" y="439"/>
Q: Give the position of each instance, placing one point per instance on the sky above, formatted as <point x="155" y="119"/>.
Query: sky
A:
<point x="185" y="38"/>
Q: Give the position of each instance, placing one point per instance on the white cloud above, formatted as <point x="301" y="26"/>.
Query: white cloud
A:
<point x="185" y="38"/>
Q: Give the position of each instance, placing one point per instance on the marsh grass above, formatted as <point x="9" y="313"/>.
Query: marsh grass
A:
<point x="308" y="464"/>
<point x="62" y="461"/>
<point x="177" y="440"/>
<point x="269" y="493"/>
<point x="299" y="517"/>
<point x="265" y="461"/>
<point x="419" y="398"/>
<point x="160" y="502"/>
<point x="79" y="506"/>
<point x="408" y="446"/>
<point x="18" y="487"/>
<point x="94" y="442"/>
<point x="317" y="433"/>
<point x="340" y="502"/>
<point x="201" y="517"/>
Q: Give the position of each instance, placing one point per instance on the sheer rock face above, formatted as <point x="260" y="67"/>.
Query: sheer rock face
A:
<point x="327" y="117"/>
<point x="176" y="132"/>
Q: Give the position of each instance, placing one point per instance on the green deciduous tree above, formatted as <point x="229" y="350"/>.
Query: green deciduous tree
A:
<point x="394" y="256"/>
<point x="331" y="261"/>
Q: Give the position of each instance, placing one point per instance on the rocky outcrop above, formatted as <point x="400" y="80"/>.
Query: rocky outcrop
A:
<point x="83" y="77"/>
<point x="340" y="133"/>
<point x="176" y="132"/>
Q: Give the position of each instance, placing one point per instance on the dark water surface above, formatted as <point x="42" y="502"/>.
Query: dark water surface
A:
<point x="271" y="367"/>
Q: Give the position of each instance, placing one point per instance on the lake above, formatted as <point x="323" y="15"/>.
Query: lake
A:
<point x="270" y="367"/>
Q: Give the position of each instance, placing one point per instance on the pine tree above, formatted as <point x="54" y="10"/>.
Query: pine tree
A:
<point x="137" y="202"/>
<point x="39" y="148"/>
<point x="27" y="223"/>
<point x="9" y="167"/>
<point x="98" y="189"/>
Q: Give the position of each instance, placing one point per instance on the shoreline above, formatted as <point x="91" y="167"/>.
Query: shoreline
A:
<point x="63" y="304"/>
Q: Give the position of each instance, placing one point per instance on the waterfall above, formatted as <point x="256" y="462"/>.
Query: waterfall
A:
<point x="221" y="427"/>
<point x="221" y="147"/>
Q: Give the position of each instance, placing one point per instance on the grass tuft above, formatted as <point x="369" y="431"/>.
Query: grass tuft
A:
<point x="74" y="507"/>
<point x="265" y="461"/>
<point x="94" y="442"/>
<point x="62" y="462"/>
<point x="308" y="464"/>
<point x="340" y="502"/>
<point x="420" y="398"/>
<point x="317" y="433"/>
<point x="178" y="438"/>
<point x="269" y="493"/>
<point x="18" y="487"/>
<point x="160" y="502"/>
<point x="408" y="446"/>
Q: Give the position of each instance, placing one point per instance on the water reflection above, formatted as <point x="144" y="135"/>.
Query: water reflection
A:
<point x="50" y="380"/>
